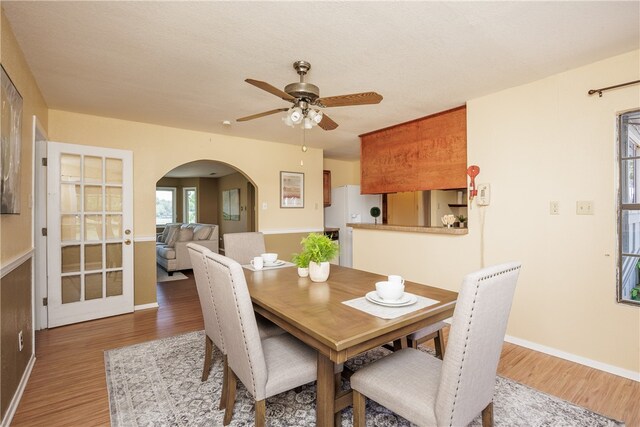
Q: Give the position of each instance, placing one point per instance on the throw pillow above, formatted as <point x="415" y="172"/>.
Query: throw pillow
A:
<point x="185" y="235"/>
<point x="172" y="236"/>
<point x="201" y="232"/>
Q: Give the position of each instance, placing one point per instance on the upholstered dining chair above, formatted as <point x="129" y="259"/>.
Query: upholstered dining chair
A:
<point x="432" y="332"/>
<point x="453" y="391"/>
<point x="212" y="328"/>
<point x="266" y="367"/>
<point x="242" y="247"/>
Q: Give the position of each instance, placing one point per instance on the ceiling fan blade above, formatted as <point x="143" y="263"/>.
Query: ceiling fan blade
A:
<point x="266" y="113"/>
<point x="352" y="99"/>
<point x="271" y="89"/>
<point x="326" y="123"/>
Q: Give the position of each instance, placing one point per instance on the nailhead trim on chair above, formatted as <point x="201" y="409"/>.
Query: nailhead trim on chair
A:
<point x="464" y="352"/>
<point x="244" y="338"/>
<point x="206" y="270"/>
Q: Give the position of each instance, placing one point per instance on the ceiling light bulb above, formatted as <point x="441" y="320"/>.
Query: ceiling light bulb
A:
<point x="296" y="115"/>
<point x="287" y="120"/>
<point x="308" y="124"/>
<point x="315" y="115"/>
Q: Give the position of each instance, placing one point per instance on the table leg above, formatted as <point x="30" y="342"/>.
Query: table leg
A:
<point x="325" y="399"/>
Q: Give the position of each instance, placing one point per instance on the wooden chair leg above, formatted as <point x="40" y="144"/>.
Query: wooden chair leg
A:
<point x="412" y="343"/>
<point x="225" y="383"/>
<point x="261" y="412"/>
<point x="208" y="355"/>
<point x="231" y="396"/>
<point x="439" y="344"/>
<point x="487" y="416"/>
<point x="337" y="417"/>
<point x="358" y="409"/>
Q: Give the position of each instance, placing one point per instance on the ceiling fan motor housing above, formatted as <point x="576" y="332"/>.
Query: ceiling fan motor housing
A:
<point x="303" y="90"/>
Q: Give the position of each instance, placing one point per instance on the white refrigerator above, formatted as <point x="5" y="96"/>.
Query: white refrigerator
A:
<point x="349" y="206"/>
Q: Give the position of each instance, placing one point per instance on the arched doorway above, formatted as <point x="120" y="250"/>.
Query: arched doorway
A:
<point x="205" y="192"/>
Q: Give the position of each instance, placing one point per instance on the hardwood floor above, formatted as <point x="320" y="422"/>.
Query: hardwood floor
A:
<point x="68" y="387"/>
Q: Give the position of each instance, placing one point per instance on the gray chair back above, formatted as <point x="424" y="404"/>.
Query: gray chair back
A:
<point x="238" y="322"/>
<point x="242" y="247"/>
<point x="205" y="295"/>
<point x="476" y="336"/>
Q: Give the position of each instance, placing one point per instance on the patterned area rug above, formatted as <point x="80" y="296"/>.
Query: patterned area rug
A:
<point x="163" y="276"/>
<point x="158" y="384"/>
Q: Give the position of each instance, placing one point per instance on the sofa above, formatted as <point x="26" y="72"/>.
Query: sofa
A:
<point x="171" y="244"/>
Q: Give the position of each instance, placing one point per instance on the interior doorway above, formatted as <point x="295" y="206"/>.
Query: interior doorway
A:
<point x="222" y="195"/>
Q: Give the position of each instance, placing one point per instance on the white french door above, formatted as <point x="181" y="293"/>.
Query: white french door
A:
<point x="89" y="232"/>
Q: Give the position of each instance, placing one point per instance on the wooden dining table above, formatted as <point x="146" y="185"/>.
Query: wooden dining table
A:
<point x="314" y="313"/>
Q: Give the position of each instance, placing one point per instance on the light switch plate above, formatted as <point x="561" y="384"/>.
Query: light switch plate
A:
<point x="584" y="207"/>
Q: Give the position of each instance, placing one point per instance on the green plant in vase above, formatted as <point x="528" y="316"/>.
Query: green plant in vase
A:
<point x="375" y="213"/>
<point x="301" y="260"/>
<point x="320" y="250"/>
<point x="462" y="220"/>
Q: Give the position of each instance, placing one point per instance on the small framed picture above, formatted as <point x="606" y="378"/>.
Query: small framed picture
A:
<point x="291" y="190"/>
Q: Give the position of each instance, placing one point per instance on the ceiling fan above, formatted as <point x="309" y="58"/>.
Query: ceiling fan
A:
<point x="305" y="97"/>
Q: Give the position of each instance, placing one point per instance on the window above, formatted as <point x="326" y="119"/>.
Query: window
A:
<point x="629" y="208"/>
<point x="165" y="205"/>
<point x="190" y="204"/>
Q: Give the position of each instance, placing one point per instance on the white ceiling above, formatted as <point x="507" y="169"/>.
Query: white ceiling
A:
<point x="183" y="64"/>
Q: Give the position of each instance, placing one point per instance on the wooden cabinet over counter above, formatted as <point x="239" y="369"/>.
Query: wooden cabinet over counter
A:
<point x="424" y="154"/>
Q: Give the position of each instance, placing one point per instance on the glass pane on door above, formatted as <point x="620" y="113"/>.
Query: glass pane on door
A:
<point x="91" y="206"/>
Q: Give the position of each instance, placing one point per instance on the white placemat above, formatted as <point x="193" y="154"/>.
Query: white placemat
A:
<point x="384" y="312"/>
<point x="286" y="264"/>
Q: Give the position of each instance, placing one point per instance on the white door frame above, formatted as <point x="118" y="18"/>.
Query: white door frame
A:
<point x="39" y="210"/>
<point x="185" y="204"/>
<point x="60" y="313"/>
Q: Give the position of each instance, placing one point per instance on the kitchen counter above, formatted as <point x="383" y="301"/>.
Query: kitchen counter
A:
<point x="411" y="228"/>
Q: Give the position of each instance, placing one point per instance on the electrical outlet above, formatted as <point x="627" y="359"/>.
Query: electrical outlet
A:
<point x="20" y="341"/>
<point x="554" y="208"/>
<point x="264" y="206"/>
<point x="584" y="207"/>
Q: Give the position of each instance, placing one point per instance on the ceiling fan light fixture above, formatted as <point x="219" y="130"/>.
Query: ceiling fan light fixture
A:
<point x="308" y="124"/>
<point x="315" y="115"/>
<point x="295" y="114"/>
<point x="287" y="120"/>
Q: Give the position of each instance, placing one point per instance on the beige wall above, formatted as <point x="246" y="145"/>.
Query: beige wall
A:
<point x="343" y="172"/>
<point x="535" y="143"/>
<point x="16" y="230"/>
<point x="158" y="149"/>
<point x="208" y="200"/>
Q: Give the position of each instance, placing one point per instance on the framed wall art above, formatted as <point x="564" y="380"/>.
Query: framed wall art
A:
<point x="291" y="190"/>
<point x="10" y="144"/>
<point x="231" y="205"/>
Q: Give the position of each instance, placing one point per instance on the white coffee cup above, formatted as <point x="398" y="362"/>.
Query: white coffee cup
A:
<point x="389" y="291"/>
<point x="269" y="258"/>
<point x="395" y="279"/>
<point x="257" y="263"/>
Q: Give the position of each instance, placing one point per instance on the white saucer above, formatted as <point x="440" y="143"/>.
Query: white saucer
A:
<point x="274" y="264"/>
<point x="406" y="299"/>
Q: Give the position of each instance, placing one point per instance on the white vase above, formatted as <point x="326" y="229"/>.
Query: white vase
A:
<point x="303" y="272"/>
<point x="319" y="272"/>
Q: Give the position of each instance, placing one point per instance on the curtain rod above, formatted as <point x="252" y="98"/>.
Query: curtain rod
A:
<point x="599" y="91"/>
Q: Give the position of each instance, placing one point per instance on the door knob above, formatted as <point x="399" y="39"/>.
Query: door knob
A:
<point x="127" y="242"/>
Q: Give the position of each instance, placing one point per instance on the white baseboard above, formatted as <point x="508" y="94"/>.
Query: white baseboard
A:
<point x="146" y="306"/>
<point x="13" y="406"/>
<point x="625" y="373"/>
